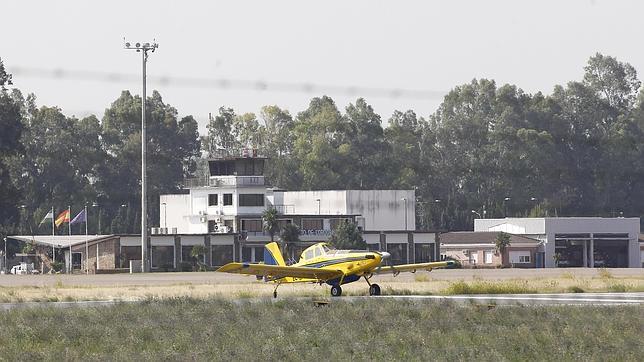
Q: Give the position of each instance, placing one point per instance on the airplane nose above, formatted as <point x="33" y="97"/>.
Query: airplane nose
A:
<point x="385" y="255"/>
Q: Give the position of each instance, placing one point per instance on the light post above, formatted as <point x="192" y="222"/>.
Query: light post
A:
<point x="405" y="200"/>
<point x="165" y="214"/>
<point x="143" y="49"/>
<point x="476" y="213"/>
<point x="95" y="204"/>
<point x="23" y="216"/>
<point x="505" y="206"/>
<point x="4" y="265"/>
<point x="533" y="206"/>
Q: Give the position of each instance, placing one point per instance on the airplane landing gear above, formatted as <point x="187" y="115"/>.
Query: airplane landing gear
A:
<point x="374" y="289"/>
<point x="336" y="291"/>
<point x="275" y="291"/>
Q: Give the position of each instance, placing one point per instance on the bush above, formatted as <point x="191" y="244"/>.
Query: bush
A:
<point x="58" y="266"/>
<point x="462" y="287"/>
<point x="575" y="289"/>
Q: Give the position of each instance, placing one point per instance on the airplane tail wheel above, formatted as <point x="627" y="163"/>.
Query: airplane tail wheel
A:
<point x="374" y="289"/>
<point x="336" y="291"/>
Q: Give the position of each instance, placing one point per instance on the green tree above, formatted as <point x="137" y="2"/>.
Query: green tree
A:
<point x="347" y="236"/>
<point x="290" y="234"/>
<point x="197" y="253"/>
<point x="172" y="151"/>
<point x="366" y="147"/>
<point x="501" y="244"/>
<point x="270" y="223"/>
<point x="11" y="150"/>
<point x="5" y="78"/>
<point x="220" y="131"/>
<point x="614" y="81"/>
<point x="320" y="146"/>
<point x="283" y="168"/>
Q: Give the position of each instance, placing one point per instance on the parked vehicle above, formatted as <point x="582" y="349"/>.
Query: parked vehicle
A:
<point x="24" y="268"/>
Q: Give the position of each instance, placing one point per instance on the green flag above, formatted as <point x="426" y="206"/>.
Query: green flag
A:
<point x="48" y="218"/>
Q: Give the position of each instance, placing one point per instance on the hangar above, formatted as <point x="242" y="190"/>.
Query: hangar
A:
<point x="576" y="241"/>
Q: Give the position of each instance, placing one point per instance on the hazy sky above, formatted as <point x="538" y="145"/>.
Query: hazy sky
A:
<point x="418" y="45"/>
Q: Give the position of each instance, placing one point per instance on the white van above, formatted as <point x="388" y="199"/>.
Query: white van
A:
<point x="23" y="268"/>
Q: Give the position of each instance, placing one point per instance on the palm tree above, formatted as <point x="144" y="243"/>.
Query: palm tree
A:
<point x="270" y="224"/>
<point x="502" y="242"/>
<point x="290" y="234"/>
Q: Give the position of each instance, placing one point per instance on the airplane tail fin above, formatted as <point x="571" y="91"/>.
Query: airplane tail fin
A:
<point x="273" y="255"/>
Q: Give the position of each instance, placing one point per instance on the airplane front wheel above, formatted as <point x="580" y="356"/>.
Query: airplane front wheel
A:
<point x="374" y="289"/>
<point x="336" y="291"/>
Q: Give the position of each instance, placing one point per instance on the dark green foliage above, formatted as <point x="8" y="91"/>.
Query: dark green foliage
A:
<point x="186" y="329"/>
<point x="290" y="233"/>
<point x="578" y="151"/>
<point x="347" y="236"/>
<point x="269" y="222"/>
<point x="501" y="242"/>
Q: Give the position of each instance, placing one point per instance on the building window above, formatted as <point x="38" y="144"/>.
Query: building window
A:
<point x="424" y="253"/>
<point x="312" y="224"/>
<point x="228" y="199"/>
<point x="212" y="226"/>
<point x="162" y="257"/>
<point x="398" y="253"/>
<point x="128" y="253"/>
<point x="186" y="254"/>
<point x="221" y="254"/>
<point x="337" y="222"/>
<point x="474" y="257"/>
<point x="212" y="200"/>
<point x="488" y="257"/>
<point x="251" y="200"/>
<point x="283" y="222"/>
<point x="519" y="257"/>
<point x="251" y="225"/>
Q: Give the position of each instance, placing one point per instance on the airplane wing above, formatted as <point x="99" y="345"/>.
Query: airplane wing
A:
<point x="277" y="271"/>
<point x="395" y="269"/>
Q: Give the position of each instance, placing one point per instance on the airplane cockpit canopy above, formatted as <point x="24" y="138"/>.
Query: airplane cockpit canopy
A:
<point x="315" y="251"/>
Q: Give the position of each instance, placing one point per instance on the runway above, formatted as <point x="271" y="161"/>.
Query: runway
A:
<point x="533" y="299"/>
<point x="584" y="299"/>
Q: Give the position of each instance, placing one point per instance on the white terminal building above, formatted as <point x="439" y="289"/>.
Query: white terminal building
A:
<point x="233" y="197"/>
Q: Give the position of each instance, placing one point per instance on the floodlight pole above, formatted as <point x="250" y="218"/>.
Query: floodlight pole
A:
<point x="143" y="48"/>
<point x="4" y="265"/>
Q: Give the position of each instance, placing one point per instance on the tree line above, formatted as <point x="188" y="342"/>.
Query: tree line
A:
<point x="488" y="151"/>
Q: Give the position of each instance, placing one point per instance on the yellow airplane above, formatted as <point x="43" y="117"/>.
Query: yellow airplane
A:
<point x="320" y="263"/>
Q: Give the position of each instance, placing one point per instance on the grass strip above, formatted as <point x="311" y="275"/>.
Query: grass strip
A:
<point x="215" y="329"/>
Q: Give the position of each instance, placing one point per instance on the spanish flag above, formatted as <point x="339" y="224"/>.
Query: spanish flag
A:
<point x="62" y="217"/>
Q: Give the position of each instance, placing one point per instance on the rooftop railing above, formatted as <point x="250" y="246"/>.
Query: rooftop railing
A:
<point x="219" y="181"/>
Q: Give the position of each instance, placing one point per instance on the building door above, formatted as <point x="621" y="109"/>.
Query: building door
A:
<point x="76" y="260"/>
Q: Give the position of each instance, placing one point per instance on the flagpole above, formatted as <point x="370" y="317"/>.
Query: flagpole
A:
<point x="53" y="233"/>
<point x="69" y="227"/>
<point x="86" y="247"/>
